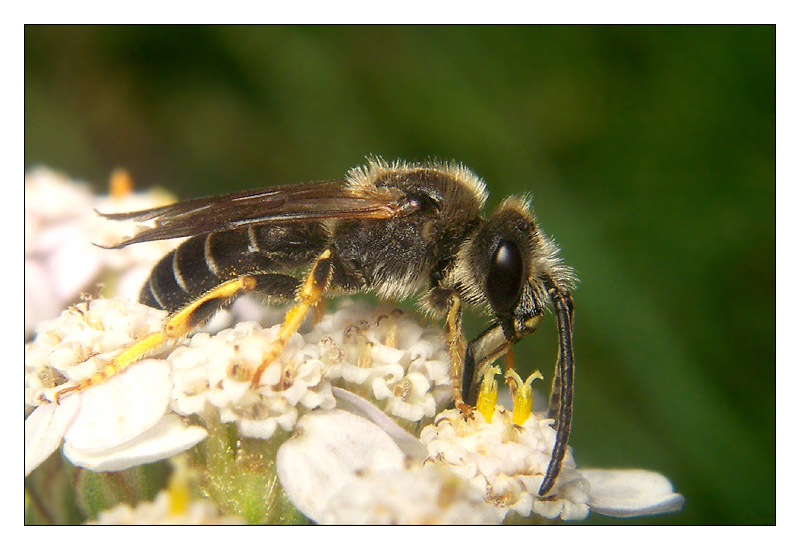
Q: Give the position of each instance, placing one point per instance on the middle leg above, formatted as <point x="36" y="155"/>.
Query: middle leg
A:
<point x="309" y="295"/>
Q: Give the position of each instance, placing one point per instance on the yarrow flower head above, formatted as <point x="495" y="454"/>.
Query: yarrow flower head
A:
<point x="348" y="388"/>
<point x="113" y="425"/>
<point x="216" y="371"/>
<point x="507" y="462"/>
<point x="409" y="496"/>
<point x="161" y="512"/>
<point x="386" y="356"/>
<point x="174" y="505"/>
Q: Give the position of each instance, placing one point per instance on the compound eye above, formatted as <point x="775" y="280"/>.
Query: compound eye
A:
<point x="504" y="282"/>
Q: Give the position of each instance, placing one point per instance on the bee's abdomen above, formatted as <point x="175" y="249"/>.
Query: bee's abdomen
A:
<point x="161" y="272"/>
<point x="195" y="267"/>
<point x="203" y="262"/>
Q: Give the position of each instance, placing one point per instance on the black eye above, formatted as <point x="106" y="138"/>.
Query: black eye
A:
<point x="504" y="282"/>
<point x="423" y="202"/>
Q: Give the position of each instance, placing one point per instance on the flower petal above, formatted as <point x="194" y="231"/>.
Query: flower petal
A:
<point x="121" y="408"/>
<point x="355" y="404"/>
<point x="168" y="437"/>
<point x="627" y="493"/>
<point x="44" y="429"/>
<point x="327" y="451"/>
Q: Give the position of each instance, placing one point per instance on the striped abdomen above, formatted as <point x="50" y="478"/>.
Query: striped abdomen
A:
<point x="203" y="262"/>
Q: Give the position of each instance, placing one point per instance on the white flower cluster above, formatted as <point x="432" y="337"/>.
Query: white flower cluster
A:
<point x="348" y="387"/>
<point x="341" y="468"/>
<point x="119" y="423"/>
<point x="60" y="227"/>
<point x="216" y="371"/>
<point x="159" y="512"/>
<point x="385" y="355"/>
<point x="409" y="496"/>
<point x="113" y="424"/>
<point x="507" y="462"/>
<point x="378" y="352"/>
<point x="81" y="341"/>
<point x="357" y="467"/>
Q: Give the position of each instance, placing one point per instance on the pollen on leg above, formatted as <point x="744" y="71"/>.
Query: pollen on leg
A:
<point x="290" y="324"/>
<point x="319" y="311"/>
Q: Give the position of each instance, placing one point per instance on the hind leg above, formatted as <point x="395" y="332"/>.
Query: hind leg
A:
<point x="276" y="286"/>
<point x="176" y="325"/>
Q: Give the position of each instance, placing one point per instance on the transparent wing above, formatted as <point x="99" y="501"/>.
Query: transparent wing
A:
<point x="303" y="202"/>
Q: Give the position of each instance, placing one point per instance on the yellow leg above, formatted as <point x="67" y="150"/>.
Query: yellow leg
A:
<point x="319" y="311"/>
<point x="118" y="364"/>
<point x="309" y="296"/>
<point x="177" y="324"/>
<point x="457" y="347"/>
<point x="181" y="322"/>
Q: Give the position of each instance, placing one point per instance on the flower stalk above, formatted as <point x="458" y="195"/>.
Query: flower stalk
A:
<point x="238" y="474"/>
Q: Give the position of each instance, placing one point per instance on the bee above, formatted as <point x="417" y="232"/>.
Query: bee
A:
<point x="394" y="229"/>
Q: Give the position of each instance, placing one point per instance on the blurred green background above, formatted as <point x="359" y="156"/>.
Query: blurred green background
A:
<point x="650" y="152"/>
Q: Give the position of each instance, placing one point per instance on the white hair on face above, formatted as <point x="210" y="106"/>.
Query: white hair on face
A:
<point x="545" y="261"/>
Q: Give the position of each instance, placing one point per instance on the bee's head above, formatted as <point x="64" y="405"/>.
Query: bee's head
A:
<point x="512" y="266"/>
<point x="508" y="266"/>
<point x="517" y="273"/>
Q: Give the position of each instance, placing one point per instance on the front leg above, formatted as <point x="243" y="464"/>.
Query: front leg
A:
<point x="488" y="347"/>
<point x="444" y="299"/>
